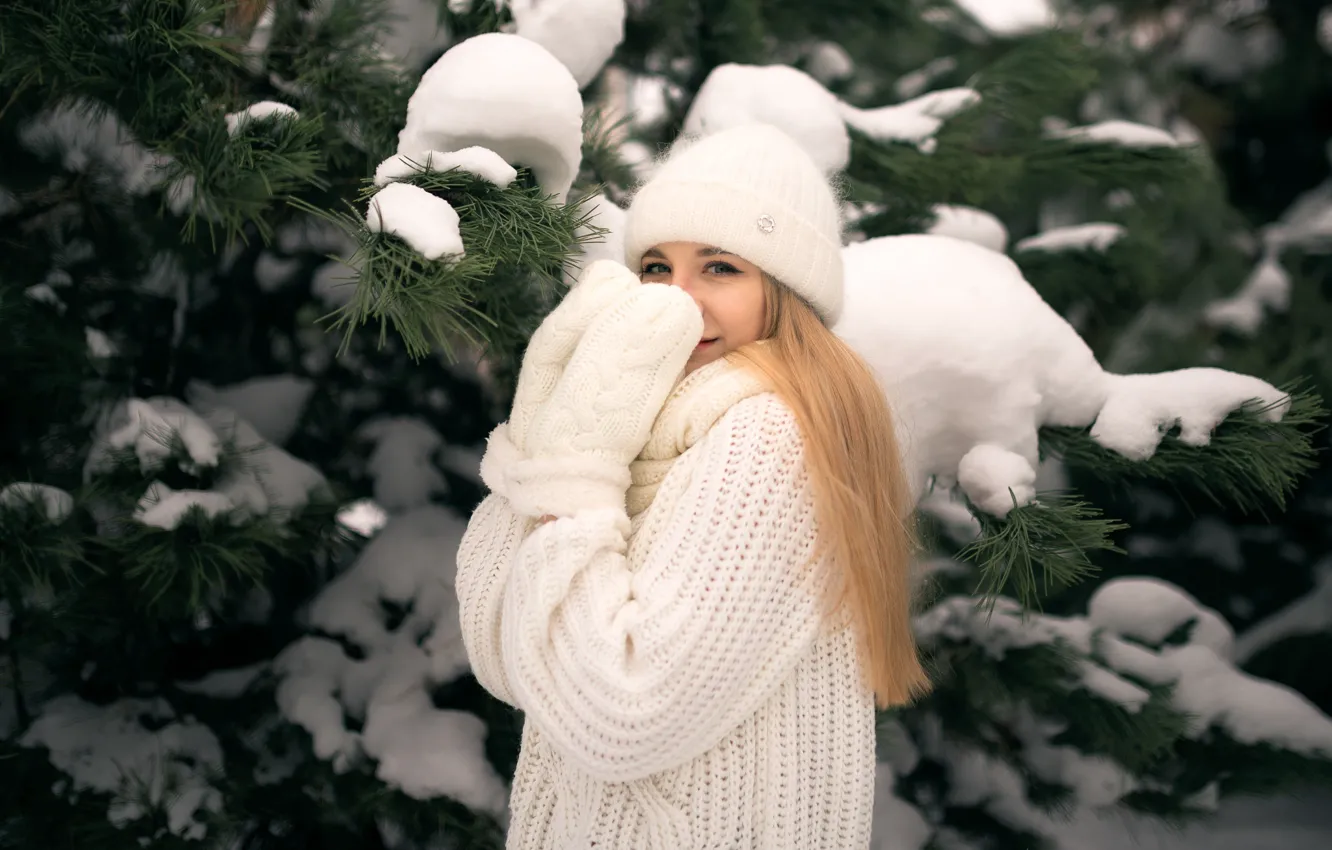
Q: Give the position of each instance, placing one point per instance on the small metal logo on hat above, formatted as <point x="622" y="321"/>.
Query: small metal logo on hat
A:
<point x="766" y="224"/>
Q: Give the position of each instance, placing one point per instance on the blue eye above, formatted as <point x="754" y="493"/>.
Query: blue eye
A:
<point x="655" y="268"/>
<point x="720" y="267"/>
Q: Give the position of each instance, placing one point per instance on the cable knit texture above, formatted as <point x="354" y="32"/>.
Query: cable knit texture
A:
<point x="681" y="689"/>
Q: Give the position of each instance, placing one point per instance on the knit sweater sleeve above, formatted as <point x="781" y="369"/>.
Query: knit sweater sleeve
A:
<point x="630" y="669"/>
<point x="485" y="556"/>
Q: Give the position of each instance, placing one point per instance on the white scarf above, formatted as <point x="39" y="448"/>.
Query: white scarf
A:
<point x="693" y="407"/>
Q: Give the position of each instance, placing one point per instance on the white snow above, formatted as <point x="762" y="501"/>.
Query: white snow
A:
<point x="1266" y="288"/>
<point x="1227" y="54"/>
<point x="421" y="750"/>
<point x="1288" y="822"/>
<point x="1140" y="408"/>
<point x="506" y="93"/>
<point x="1126" y="133"/>
<point x="413" y="32"/>
<point x="99" y="344"/>
<point x="334" y="283"/>
<point x="1251" y="710"/>
<point x="44" y="293"/>
<point x="1010" y="17"/>
<point x="995" y="479"/>
<point x="647" y="98"/>
<point x="791" y="100"/>
<point x="582" y="34"/>
<point x="1306" y="224"/>
<point x="970" y="356"/>
<point x="1096" y="236"/>
<point x="915" y="121"/>
<point x="56" y="503"/>
<point x="1325" y="28"/>
<point x="310" y="233"/>
<point x="264" y="109"/>
<point x="266" y="481"/>
<point x="829" y="62"/>
<point x="897" y="825"/>
<point x="107" y="749"/>
<point x="1207" y="688"/>
<point x="1309" y="614"/>
<point x="272" y="404"/>
<point x="272" y="272"/>
<point x="165" y="508"/>
<point x="424" y="221"/>
<point x="911" y="84"/>
<point x="479" y="161"/>
<point x="154" y="425"/>
<point x="1107" y="685"/>
<point x="1148" y="610"/>
<point x="225" y="684"/>
<point x="84" y="133"/>
<point x="401" y="462"/>
<point x="971" y="224"/>
<point x="363" y="516"/>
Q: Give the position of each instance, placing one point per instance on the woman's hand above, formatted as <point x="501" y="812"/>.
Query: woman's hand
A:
<point x="600" y="285"/>
<point x="630" y="357"/>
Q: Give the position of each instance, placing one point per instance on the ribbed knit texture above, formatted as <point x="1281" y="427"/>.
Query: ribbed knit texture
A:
<point x="693" y="407"/>
<point x="752" y="191"/>
<point x="682" y="690"/>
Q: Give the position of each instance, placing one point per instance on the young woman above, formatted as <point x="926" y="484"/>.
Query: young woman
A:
<point x="691" y="574"/>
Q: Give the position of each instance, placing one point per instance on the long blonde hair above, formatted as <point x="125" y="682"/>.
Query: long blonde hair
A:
<point x="862" y="498"/>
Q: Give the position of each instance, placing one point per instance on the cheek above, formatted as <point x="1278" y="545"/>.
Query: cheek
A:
<point x="743" y="314"/>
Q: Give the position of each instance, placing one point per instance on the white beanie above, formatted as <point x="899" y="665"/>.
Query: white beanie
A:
<point x="753" y="192"/>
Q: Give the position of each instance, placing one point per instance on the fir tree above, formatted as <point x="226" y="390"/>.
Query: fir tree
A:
<point x="266" y="292"/>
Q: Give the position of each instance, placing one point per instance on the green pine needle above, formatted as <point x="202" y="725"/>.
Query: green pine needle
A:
<point x="1248" y="463"/>
<point x="1038" y="548"/>
<point x="516" y="234"/>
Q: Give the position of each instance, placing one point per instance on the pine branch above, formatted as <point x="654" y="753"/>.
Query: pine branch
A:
<point x="1044" y="544"/>
<point x="512" y="236"/>
<point x="37" y="555"/>
<point x="333" y="65"/>
<point x="601" y="153"/>
<point x="231" y="182"/>
<point x="1248" y="462"/>
<point x="203" y="559"/>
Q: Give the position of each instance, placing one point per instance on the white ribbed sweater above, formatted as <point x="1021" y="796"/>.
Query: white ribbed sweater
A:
<point x="681" y="689"/>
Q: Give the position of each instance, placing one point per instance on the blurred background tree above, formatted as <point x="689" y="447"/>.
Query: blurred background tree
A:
<point x="243" y="424"/>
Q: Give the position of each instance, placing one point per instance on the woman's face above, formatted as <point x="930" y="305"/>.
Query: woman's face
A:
<point x="727" y="289"/>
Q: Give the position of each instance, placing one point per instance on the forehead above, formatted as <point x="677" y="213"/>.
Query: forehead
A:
<point x="696" y="249"/>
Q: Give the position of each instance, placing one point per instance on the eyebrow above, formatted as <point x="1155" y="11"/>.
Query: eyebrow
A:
<point x="710" y="251"/>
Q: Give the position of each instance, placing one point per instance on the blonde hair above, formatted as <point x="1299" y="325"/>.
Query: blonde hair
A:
<point x="862" y="498"/>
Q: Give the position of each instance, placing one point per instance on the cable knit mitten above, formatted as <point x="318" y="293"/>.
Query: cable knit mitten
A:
<point x="600" y="414"/>
<point x="548" y="351"/>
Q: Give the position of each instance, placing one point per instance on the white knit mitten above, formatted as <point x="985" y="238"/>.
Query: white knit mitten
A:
<point x="600" y="414"/>
<point x="548" y="352"/>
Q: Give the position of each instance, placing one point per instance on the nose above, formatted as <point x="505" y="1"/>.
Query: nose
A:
<point x="686" y="281"/>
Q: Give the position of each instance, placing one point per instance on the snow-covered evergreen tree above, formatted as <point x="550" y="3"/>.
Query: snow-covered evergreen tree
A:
<point x="270" y="267"/>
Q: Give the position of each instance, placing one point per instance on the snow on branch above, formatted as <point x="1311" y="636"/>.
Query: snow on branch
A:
<point x="424" y="751"/>
<point x="800" y="106"/>
<point x="978" y="368"/>
<point x="146" y="770"/>
<point x="504" y="93"/>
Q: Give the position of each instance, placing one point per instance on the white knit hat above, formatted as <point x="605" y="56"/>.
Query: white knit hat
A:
<point x="751" y="191"/>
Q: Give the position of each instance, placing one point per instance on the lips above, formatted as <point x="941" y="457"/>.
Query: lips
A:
<point x="704" y="343"/>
